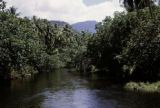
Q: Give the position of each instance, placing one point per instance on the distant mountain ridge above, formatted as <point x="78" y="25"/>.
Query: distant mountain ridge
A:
<point x="88" y="26"/>
<point x="59" y="23"/>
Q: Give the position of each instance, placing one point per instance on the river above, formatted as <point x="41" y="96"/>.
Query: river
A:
<point x="63" y="89"/>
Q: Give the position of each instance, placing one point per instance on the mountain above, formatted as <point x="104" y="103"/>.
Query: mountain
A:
<point x="62" y="24"/>
<point x="59" y="23"/>
<point x="88" y="26"/>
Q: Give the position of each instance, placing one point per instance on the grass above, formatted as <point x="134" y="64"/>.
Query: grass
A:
<point x="143" y="87"/>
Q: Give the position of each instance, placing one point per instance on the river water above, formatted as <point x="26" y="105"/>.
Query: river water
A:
<point x="62" y="89"/>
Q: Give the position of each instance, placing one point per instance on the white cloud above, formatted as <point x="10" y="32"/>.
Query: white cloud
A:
<point x="67" y="10"/>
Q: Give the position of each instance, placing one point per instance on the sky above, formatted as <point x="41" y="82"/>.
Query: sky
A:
<point x="93" y="2"/>
<point x="70" y="11"/>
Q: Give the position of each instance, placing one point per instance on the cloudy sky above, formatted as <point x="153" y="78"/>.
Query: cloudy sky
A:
<point x="71" y="11"/>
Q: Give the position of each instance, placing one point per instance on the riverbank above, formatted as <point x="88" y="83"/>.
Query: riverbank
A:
<point x="143" y="87"/>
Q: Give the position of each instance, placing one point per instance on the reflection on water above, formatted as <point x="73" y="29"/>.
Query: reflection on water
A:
<point x="61" y="89"/>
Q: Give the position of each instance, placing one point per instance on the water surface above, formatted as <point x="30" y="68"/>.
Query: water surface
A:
<point x="62" y="89"/>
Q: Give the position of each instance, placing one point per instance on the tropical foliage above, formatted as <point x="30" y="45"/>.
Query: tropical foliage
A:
<point x="34" y="45"/>
<point x="127" y="46"/>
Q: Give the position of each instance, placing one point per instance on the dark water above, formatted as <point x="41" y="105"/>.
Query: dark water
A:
<point x="61" y="89"/>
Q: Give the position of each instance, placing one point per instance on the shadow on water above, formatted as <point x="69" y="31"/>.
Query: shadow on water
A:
<point x="62" y="89"/>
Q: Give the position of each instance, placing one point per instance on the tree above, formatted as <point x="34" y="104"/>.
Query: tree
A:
<point x="2" y="5"/>
<point x="12" y="10"/>
<point x="131" y="5"/>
